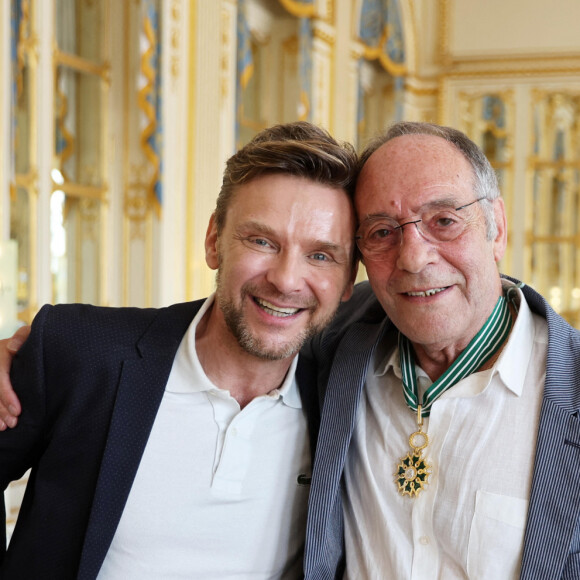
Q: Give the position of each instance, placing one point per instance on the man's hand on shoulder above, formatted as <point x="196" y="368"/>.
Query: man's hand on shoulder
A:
<point x="9" y="403"/>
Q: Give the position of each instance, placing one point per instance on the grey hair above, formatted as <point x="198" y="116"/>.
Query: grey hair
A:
<point x="485" y="182"/>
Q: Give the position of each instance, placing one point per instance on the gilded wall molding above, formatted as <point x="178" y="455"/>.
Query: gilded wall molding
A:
<point x="324" y="34"/>
<point x="420" y="91"/>
<point x="515" y="69"/>
<point x="299" y="9"/>
<point x="226" y="27"/>
<point x="176" y="11"/>
<point x="445" y="23"/>
<point x="410" y="31"/>
<point x="82" y="65"/>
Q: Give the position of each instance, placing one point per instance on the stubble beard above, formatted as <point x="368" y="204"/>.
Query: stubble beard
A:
<point x="253" y="345"/>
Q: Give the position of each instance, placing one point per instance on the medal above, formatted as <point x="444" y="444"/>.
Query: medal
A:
<point x="413" y="471"/>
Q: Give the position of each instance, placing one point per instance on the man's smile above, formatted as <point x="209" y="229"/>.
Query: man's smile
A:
<point x="430" y="292"/>
<point x="273" y="310"/>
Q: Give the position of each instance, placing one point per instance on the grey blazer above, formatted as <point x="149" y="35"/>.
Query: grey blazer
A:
<point x="552" y="536"/>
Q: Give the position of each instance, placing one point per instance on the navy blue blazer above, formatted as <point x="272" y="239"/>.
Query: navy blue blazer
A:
<point x="552" y="536"/>
<point x="90" y="380"/>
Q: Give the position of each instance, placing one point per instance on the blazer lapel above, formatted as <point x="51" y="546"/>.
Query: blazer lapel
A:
<point x="139" y="395"/>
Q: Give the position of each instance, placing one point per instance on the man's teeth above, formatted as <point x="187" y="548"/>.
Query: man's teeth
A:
<point x="276" y="310"/>
<point x="427" y="292"/>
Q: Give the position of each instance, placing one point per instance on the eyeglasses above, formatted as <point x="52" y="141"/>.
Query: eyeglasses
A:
<point x="378" y="235"/>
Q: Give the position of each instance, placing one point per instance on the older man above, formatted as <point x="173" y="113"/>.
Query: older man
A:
<point x="173" y="443"/>
<point x="450" y="439"/>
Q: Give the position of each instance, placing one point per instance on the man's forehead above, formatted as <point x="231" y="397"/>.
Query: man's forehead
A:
<point x="270" y="195"/>
<point x="412" y="157"/>
<point x="413" y="145"/>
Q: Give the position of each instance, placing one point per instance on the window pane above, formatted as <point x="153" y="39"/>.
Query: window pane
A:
<point x="20" y="220"/>
<point x="78" y="126"/>
<point x="75" y="248"/>
<point x="79" y="28"/>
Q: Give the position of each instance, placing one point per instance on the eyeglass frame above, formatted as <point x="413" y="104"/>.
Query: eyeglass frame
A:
<point x="401" y="226"/>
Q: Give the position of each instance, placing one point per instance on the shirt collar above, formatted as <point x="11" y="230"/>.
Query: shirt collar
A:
<point x="515" y="357"/>
<point x="191" y="378"/>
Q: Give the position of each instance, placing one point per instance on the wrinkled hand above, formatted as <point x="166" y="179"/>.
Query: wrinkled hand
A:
<point x="9" y="403"/>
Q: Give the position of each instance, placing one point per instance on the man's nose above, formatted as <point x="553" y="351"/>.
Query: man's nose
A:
<point x="286" y="272"/>
<point x="414" y="249"/>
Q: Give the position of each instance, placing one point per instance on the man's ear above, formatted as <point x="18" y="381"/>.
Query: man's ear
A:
<point x="211" y="244"/>
<point x="500" y="241"/>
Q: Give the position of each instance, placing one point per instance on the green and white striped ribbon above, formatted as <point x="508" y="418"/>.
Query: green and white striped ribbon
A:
<point x="481" y="348"/>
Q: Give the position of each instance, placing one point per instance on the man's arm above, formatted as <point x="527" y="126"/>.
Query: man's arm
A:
<point x="9" y="403"/>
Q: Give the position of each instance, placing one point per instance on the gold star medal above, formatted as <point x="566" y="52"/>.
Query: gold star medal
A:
<point x="413" y="470"/>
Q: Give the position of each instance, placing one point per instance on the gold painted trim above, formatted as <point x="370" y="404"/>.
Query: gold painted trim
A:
<point x="330" y="11"/>
<point x="445" y="24"/>
<point x="533" y="238"/>
<point x="125" y="220"/>
<point x="299" y="9"/>
<point x="104" y="243"/>
<point x="81" y="64"/>
<point x="190" y="152"/>
<point x="515" y="65"/>
<point x="145" y="106"/>
<point x="26" y="180"/>
<point x="522" y="72"/>
<point x="376" y="53"/>
<point x="536" y="163"/>
<point x="175" y="35"/>
<point x="516" y="58"/>
<point x="324" y="36"/>
<point x="82" y="191"/>
<point x="149" y="259"/>
<point x="421" y="92"/>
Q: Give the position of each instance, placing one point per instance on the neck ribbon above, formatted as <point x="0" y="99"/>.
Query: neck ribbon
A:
<point x="481" y="348"/>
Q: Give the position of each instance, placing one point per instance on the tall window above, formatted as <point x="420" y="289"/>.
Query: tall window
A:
<point x="553" y="219"/>
<point x="79" y="197"/>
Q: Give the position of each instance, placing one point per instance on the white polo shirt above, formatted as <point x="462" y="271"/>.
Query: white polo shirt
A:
<point x="470" y="519"/>
<point x="220" y="491"/>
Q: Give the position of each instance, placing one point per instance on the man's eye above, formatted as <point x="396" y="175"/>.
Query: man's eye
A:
<point x="319" y="257"/>
<point x="444" y="221"/>
<point x="381" y="232"/>
<point x="257" y="243"/>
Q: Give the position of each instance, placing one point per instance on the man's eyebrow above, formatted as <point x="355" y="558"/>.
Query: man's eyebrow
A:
<point x="315" y="243"/>
<point x="257" y="227"/>
<point x="443" y="203"/>
<point x="327" y="246"/>
<point x="377" y="216"/>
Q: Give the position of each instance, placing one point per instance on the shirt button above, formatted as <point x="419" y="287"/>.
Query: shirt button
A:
<point x="234" y="432"/>
<point x="424" y="540"/>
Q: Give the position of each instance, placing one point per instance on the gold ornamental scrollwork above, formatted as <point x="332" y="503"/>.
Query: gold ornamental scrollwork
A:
<point x="137" y="204"/>
<point x="226" y="20"/>
<point x="323" y="35"/>
<point x="299" y="9"/>
<point x="175" y="36"/>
